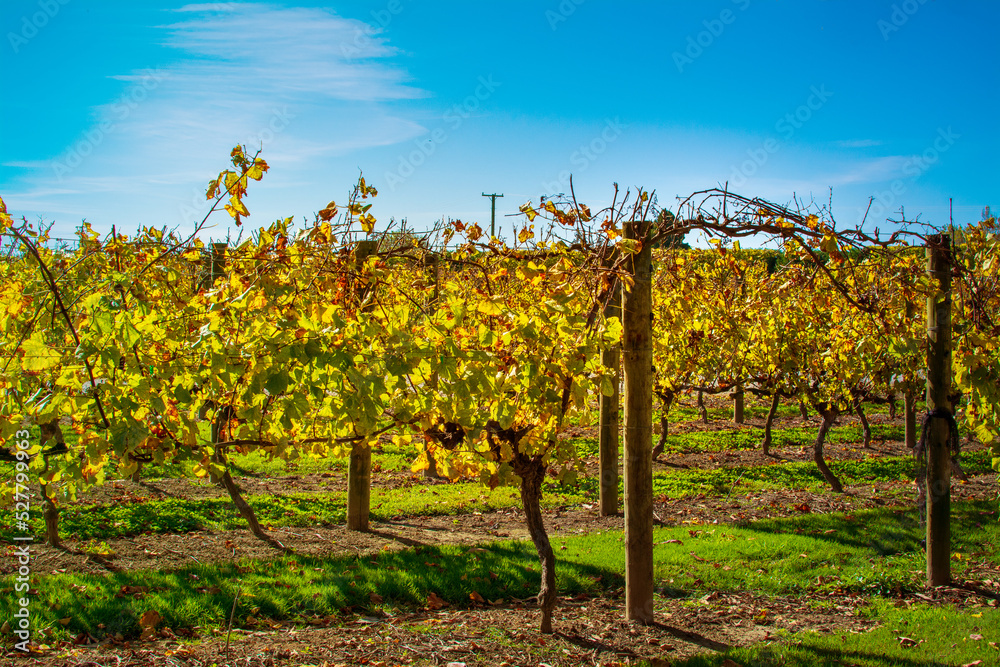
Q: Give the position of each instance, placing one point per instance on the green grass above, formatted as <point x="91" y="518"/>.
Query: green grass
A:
<point x="298" y="587"/>
<point x="751" y="438"/>
<point x="798" y="476"/>
<point x="751" y="409"/>
<point x="747" y="439"/>
<point x="874" y="553"/>
<point x="721" y="409"/>
<point x="943" y="635"/>
<point x="99" y="521"/>
<point x="385" y="456"/>
<point x="103" y="521"/>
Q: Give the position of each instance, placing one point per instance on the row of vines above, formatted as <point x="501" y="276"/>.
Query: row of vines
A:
<point x="305" y="342"/>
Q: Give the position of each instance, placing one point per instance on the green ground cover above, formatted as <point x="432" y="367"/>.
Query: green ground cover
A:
<point x="172" y="515"/>
<point x="938" y="635"/>
<point x="876" y="553"/>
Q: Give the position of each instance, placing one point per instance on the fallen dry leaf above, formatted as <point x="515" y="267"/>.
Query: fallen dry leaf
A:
<point x="132" y="591"/>
<point x="375" y="598"/>
<point x="149" y="619"/>
<point x="434" y="601"/>
<point x="476" y="597"/>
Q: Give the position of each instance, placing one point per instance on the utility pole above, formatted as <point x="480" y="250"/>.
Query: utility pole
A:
<point x="493" y="213"/>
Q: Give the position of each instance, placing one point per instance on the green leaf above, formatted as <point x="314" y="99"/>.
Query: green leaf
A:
<point x="277" y="383"/>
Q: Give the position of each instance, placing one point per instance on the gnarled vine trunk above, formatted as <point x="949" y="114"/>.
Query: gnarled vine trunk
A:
<point x="865" y="426"/>
<point x="828" y="414"/>
<point x="531" y="470"/>
<point x="702" y="410"/>
<point x="666" y="400"/>
<point x="910" y="419"/>
<point x="532" y="473"/>
<point x="245" y="510"/>
<point x="51" y="431"/>
<point x="772" y="411"/>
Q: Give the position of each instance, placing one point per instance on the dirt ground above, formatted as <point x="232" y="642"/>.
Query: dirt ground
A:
<point x="169" y="551"/>
<point x="589" y="631"/>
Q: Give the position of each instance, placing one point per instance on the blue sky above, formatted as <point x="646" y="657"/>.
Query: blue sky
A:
<point x="120" y="112"/>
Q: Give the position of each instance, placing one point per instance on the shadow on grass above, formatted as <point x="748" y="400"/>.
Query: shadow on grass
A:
<point x="692" y="637"/>
<point x="300" y="587"/>
<point x="153" y="487"/>
<point x="589" y="644"/>
<point x="397" y="538"/>
<point x="807" y="655"/>
<point x="885" y="531"/>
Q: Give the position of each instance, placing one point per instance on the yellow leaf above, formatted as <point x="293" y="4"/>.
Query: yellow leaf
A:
<point x="489" y="308"/>
<point x="37" y="355"/>
<point x="829" y="244"/>
<point x="421" y="463"/>
<point x="256" y="172"/>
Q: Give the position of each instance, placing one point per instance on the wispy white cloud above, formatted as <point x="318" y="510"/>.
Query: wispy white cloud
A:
<point x="858" y="143"/>
<point x="27" y="164"/>
<point x="307" y="85"/>
<point x="294" y="50"/>
<point x="866" y="171"/>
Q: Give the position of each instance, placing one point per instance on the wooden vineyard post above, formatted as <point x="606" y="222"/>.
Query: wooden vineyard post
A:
<point x="214" y="266"/>
<point x="609" y="425"/>
<point x="738" y="404"/>
<point x="433" y="275"/>
<point x="939" y="430"/>
<point x="359" y="470"/>
<point x="637" y="366"/>
<point x="218" y="267"/>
